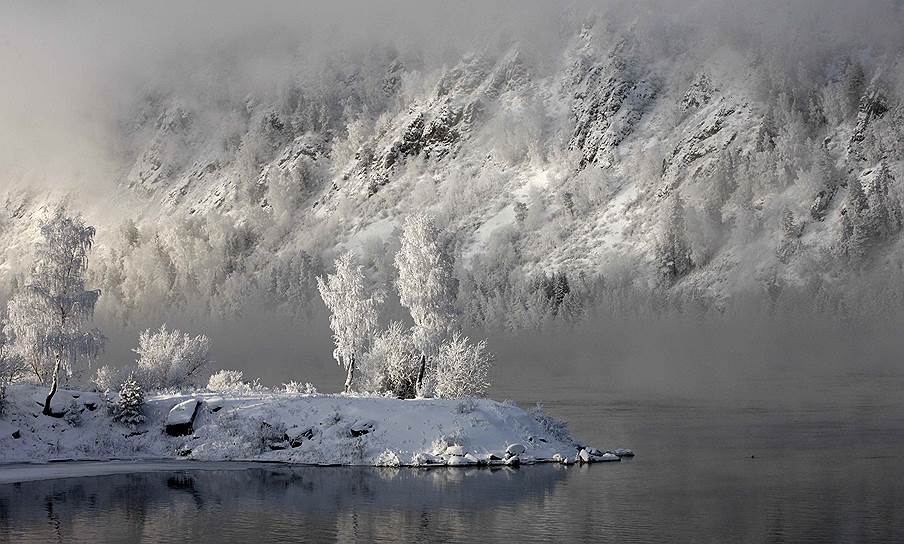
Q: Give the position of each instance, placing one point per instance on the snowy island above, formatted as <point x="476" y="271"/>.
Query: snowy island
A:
<point x="289" y="428"/>
<point x="411" y="392"/>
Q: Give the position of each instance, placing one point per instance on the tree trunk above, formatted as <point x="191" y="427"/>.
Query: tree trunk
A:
<point x="351" y="376"/>
<point x="53" y="388"/>
<point x="419" y="387"/>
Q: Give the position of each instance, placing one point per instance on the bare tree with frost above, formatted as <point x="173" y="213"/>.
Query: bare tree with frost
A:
<point x="170" y="358"/>
<point x="50" y="316"/>
<point x="353" y="313"/>
<point x="426" y="287"/>
<point x="461" y="368"/>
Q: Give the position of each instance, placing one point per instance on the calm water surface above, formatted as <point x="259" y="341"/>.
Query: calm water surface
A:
<point x="821" y="461"/>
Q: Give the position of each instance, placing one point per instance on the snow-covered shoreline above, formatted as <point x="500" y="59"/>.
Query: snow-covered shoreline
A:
<point x="287" y="428"/>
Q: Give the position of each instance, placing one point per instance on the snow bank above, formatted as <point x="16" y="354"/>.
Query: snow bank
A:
<point x="290" y="428"/>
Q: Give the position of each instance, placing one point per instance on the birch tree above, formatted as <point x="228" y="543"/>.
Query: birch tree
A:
<point x="426" y="287"/>
<point x="353" y="313"/>
<point x="50" y="316"/>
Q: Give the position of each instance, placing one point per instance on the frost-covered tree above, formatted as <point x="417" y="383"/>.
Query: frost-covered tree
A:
<point x="353" y="313"/>
<point x="12" y="366"/>
<point x="673" y="250"/>
<point x="426" y="286"/>
<point x="461" y="368"/>
<point x="127" y="409"/>
<point x="49" y="317"/>
<point x="170" y="358"/>
<point x="869" y="217"/>
<point x="392" y="363"/>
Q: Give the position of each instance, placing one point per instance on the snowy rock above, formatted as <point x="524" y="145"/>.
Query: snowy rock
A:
<point x="298" y="434"/>
<point x="279" y="445"/>
<point x="427" y="459"/>
<point x="456" y="451"/>
<point x="361" y="427"/>
<point x="514" y="460"/>
<point x="622" y="452"/>
<point x="472" y="458"/>
<point x="584" y="456"/>
<point x="461" y="460"/>
<point x="214" y="404"/>
<point x="595" y="452"/>
<point x="181" y="417"/>
<point x="388" y="458"/>
<point x="7" y="429"/>
<point x="606" y="457"/>
<point x="569" y="460"/>
<point x="515" y="449"/>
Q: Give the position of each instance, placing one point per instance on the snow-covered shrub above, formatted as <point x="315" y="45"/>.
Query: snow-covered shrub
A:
<point x="296" y="388"/>
<point x="392" y="364"/>
<point x="127" y="409"/>
<point x="107" y="378"/>
<point x="169" y="359"/>
<point x="461" y="368"/>
<point x="466" y="406"/>
<point x="269" y="433"/>
<point x="226" y="380"/>
<point x="555" y="428"/>
<point x="73" y="414"/>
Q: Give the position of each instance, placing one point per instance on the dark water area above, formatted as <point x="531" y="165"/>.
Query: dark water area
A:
<point x="821" y="461"/>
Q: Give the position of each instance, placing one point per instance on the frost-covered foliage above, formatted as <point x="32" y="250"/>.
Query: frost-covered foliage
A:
<point x="49" y="317"/>
<point x="869" y="218"/>
<point x="673" y="250"/>
<point x="552" y="154"/>
<point x="392" y="363"/>
<point x="128" y="408"/>
<point x="353" y="313"/>
<point x="555" y="428"/>
<point x="426" y="282"/>
<point x="12" y="365"/>
<point x="460" y="368"/>
<point x="170" y="358"/>
<point x="107" y="378"/>
<point x="296" y="388"/>
<point x="226" y="380"/>
<point x="73" y="414"/>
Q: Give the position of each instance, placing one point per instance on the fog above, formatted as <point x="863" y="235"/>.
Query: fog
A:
<point x="75" y="71"/>
<point x="75" y="74"/>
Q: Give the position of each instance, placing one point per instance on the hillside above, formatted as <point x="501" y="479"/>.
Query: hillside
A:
<point x="623" y="158"/>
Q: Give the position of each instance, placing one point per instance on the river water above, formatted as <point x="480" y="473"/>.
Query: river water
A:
<point x="820" y="461"/>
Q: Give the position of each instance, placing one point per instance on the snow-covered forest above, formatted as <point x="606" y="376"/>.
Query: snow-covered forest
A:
<point x="581" y="165"/>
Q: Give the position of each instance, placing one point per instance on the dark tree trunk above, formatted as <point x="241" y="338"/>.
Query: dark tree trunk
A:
<point x="53" y="389"/>
<point x="420" y="375"/>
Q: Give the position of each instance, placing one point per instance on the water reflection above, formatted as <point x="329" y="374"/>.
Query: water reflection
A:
<point x="288" y="503"/>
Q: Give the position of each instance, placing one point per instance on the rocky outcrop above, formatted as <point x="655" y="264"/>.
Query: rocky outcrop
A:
<point x="435" y="128"/>
<point x="608" y="100"/>
<point x="873" y="105"/>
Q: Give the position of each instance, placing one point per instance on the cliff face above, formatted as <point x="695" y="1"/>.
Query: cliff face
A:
<point x="569" y="166"/>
